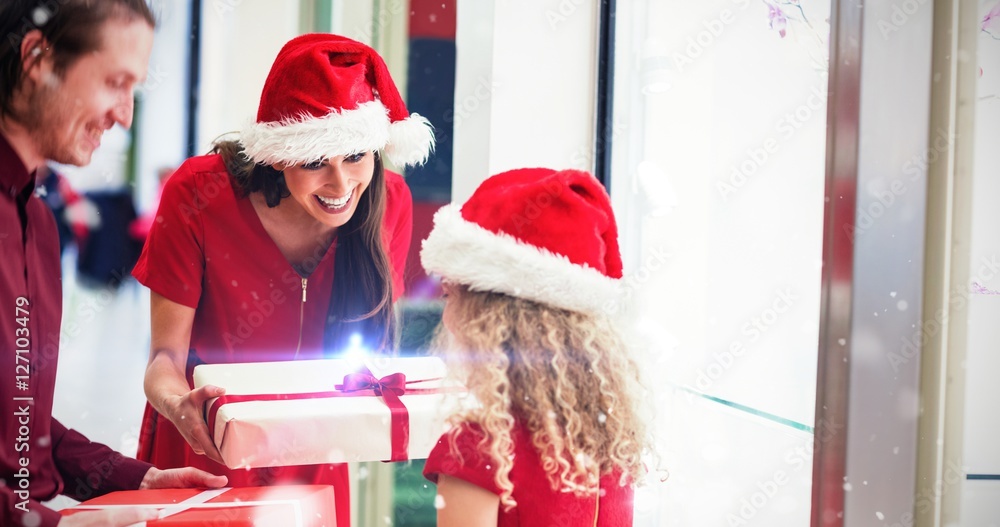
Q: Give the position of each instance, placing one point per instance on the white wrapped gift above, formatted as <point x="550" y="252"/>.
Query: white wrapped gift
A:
<point x="302" y="413"/>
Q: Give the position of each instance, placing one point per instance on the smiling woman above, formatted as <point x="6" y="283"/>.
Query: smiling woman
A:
<point x="284" y="244"/>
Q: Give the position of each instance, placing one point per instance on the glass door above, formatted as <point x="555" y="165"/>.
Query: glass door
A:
<point x="718" y="174"/>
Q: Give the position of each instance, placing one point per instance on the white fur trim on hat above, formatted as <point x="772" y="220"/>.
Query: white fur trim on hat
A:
<point x="466" y="253"/>
<point x="308" y="139"/>
<point x="411" y="141"/>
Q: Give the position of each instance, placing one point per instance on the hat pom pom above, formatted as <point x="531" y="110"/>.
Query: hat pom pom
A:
<point x="411" y="141"/>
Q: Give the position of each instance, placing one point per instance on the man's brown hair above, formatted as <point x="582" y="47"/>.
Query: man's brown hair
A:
<point x="71" y="28"/>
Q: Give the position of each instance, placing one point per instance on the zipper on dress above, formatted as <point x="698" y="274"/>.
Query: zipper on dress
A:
<point x="302" y="316"/>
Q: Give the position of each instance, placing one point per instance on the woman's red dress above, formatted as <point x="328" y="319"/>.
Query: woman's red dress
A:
<point x="208" y="250"/>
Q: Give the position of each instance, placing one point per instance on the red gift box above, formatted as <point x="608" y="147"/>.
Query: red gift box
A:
<point x="282" y="506"/>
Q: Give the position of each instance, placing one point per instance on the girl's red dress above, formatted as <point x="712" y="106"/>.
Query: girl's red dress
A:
<point x="208" y="250"/>
<point x="537" y="502"/>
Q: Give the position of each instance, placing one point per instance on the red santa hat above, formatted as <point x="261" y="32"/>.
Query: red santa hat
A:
<point x="328" y="95"/>
<point x="540" y="234"/>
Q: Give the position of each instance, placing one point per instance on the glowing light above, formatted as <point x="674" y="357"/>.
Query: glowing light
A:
<point x="356" y="351"/>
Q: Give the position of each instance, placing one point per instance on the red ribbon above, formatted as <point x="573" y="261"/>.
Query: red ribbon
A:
<point x="389" y="388"/>
<point x="360" y="384"/>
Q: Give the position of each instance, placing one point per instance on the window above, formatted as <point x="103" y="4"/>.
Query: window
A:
<point x="718" y="173"/>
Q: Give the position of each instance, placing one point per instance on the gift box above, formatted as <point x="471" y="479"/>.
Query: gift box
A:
<point x="293" y="505"/>
<point x="328" y="411"/>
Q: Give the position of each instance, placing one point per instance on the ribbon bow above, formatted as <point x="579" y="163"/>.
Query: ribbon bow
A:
<point x="364" y="380"/>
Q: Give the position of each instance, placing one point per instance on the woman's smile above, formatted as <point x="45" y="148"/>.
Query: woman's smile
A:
<point x="335" y="205"/>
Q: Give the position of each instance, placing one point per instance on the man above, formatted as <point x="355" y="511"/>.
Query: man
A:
<point x="67" y="72"/>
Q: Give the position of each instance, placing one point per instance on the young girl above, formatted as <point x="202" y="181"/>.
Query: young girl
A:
<point x="531" y="268"/>
<point x="280" y="246"/>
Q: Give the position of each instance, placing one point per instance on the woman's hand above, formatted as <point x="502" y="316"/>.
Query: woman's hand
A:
<point x="117" y="517"/>
<point x="185" y="411"/>
<point x="166" y="384"/>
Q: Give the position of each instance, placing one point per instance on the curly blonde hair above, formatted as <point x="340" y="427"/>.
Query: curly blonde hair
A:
<point x="565" y="376"/>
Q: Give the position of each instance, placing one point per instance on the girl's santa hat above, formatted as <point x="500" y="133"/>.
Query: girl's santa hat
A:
<point x="328" y="95"/>
<point x="539" y="234"/>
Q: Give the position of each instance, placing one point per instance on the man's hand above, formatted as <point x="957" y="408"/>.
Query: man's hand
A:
<point x="121" y="517"/>
<point x="181" y="478"/>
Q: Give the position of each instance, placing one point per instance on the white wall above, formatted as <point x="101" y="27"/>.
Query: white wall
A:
<point x="525" y="87"/>
<point x="473" y="95"/>
<point x="982" y="421"/>
<point x="354" y="20"/>
<point x="162" y="124"/>
<point x="384" y="26"/>
<point x="240" y="39"/>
